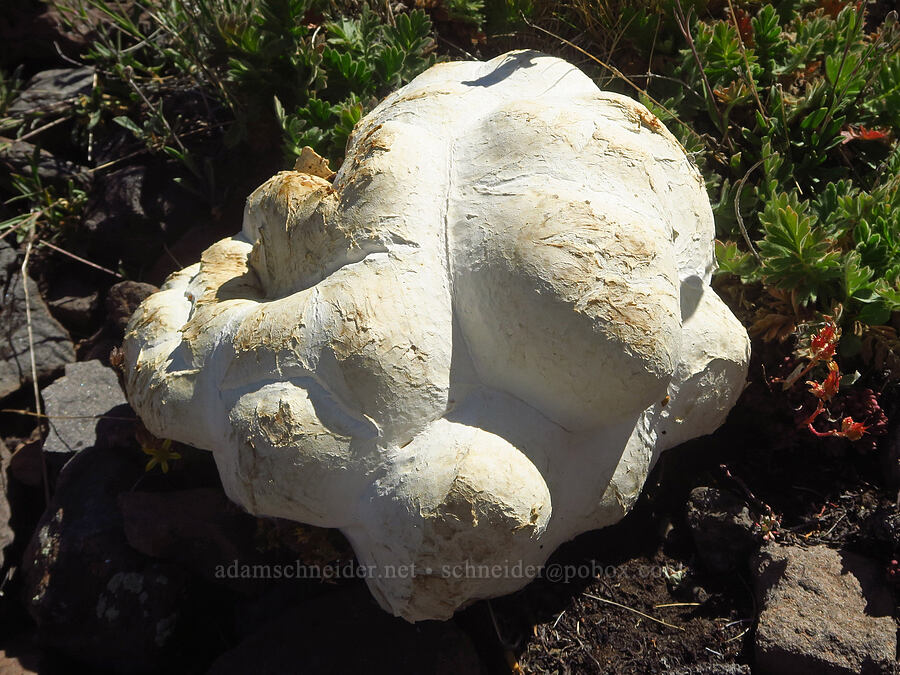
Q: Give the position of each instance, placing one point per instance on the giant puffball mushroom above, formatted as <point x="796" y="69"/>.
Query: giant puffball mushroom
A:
<point x="470" y="347"/>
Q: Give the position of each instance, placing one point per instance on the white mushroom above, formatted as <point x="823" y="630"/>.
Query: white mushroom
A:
<point x="458" y="352"/>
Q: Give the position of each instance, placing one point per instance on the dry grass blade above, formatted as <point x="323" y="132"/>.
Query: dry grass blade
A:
<point x="684" y="26"/>
<point x="633" y="610"/>
<point x="618" y="73"/>
<point x="42" y="416"/>
<point x="748" y="74"/>
<point x="34" y="132"/>
<point x="34" y="378"/>
<point x="737" y="210"/>
<point x="774" y="327"/>
<point x="80" y="259"/>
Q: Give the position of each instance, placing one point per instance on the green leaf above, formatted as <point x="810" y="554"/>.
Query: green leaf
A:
<point x="130" y="125"/>
<point x="796" y="253"/>
<point x="814" y="119"/>
<point x="875" y="314"/>
<point x="389" y="65"/>
<point x="858" y="283"/>
<point x="733" y="261"/>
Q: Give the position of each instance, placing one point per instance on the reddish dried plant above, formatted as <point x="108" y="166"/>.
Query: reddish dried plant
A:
<point x="853" y="414"/>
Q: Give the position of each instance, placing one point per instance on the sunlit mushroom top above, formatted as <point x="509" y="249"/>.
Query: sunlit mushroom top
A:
<point x="460" y="347"/>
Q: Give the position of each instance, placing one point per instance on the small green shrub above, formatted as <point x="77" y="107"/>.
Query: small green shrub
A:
<point x="795" y="114"/>
<point x="43" y="211"/>
<point x="362" y="60"/>
<point x="467" y="11"/>
<point x="267" y="62"/>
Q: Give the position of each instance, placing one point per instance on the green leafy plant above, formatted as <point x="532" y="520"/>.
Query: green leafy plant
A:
<point x="362" y="59"/>
<point x="471" y="11"/>
<point x="265" y="62"/>
<point x="796" y="111"/>
<point x="503" y="16"/>
<point x="43" y="210"/>
<point x="10" y="83"/>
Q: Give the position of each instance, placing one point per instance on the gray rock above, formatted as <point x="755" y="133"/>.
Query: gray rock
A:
<point x="52" y="346"/>
<point x="823" y="611"/>
<point x="17" y="157"/>
<point x="76" y="404"/>
<point x="53" y="90"/>
<point x="93" y="597"/>
<point x="6" y="533"/>
<point x="312" y="638"/>
<point x="722" y="529"/>
<point x="74" y="302"/>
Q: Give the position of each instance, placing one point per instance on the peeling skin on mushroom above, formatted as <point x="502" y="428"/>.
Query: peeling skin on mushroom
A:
<point x="469" y="347"/>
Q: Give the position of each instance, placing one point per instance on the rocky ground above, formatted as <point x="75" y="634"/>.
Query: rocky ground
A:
<point x="759" y="549"/>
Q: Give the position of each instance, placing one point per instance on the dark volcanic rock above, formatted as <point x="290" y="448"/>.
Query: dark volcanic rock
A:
<point x="823" y="611"/>
<point x="121" y="301"/>
<point x="722" y="529"/>
<point x="32" y="32"/>
<point x="53" y="90"/>
<point x="134" y="211"/>
<point x="93" y="597"/>
<point x="77" y="405"/>
<point x="206" y="533"/>
<point x="25" y="465"/>
<point x="75" y="311"/>
<point x="74" y="301"/>
<point x="198" y="528"/>
<point x="312" y="638"/>
<point x="116" y="216"/>
<point x="17" y="156"/>
<point x="52" y="346"/>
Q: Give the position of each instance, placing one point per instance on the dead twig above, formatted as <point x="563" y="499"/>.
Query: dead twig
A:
<point x="737" y="211"/>
<point x="618" y="73"/>
<point x="747" y="72"/>
<point x="684" y="26"/>
<point x="49" y="125"/>
<point x="79" y="258"/>
<point x="42" y="416"/>
<point x="633" y="610"/>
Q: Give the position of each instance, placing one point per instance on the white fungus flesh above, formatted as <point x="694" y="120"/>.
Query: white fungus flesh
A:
<point x="469" y="347"/>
